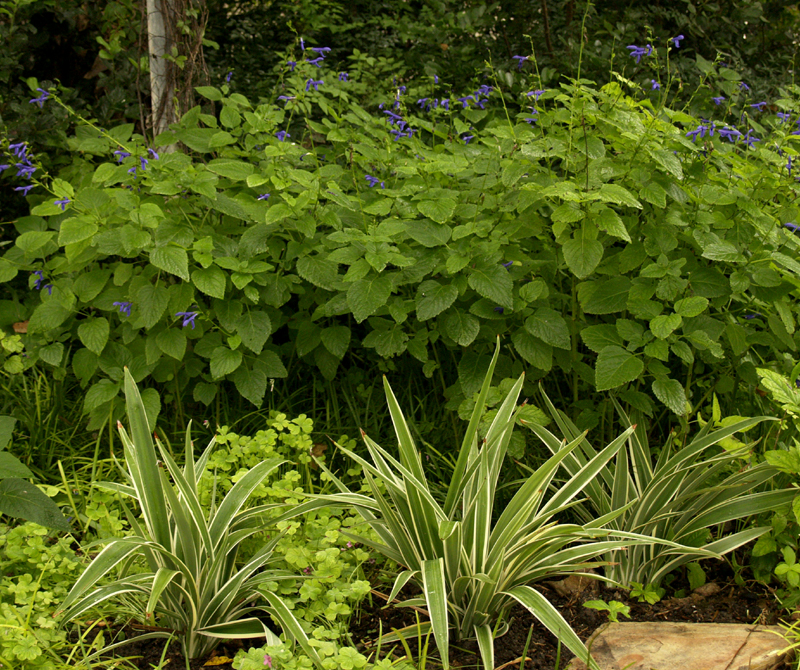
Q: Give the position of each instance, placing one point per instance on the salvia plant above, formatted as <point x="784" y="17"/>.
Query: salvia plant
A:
<point x="474" y="563"/>
<point x="622" y="243"/>
<point x="673" y="498"/>
<point x="180" y="558"/>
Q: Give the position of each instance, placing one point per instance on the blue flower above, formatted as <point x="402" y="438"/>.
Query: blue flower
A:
<point x="676" y="40"/>
<point x="316" y="61"/>
<point x="3" y="168"/>
<point x="19" y="149"/>
<point x="535" y="94"/>
<point x="730" y="134"/>
<point x="484" y="90"/>
<point x="24" y="170"/>
<point x="638" y="52"/>
<point x="302" y="44"/>
<point x="144" y="163"/>
<point x="436" y="79"/>
<point x="63" y="203"/>
<point x="508" y="265"/>
<point x="24" y="189"/>
<point x="320" y="50"/>
<point x="228" y="76"/>
<point x="656" y="86"/>
<point x="393" y="118"/>
<point x="132" y="171"/>
<point x="520" y="61"/>
<point x="188" y="318"/>
<point x="749" y="140"/>
<point x="759" y="106"/>
<point x="719" y="100"/>
<point x="374" y="181"/>
<point x="446" y="103"/>
<point x="286" y="98"/>
<point x="121" y="155"/>
<point x="499" y="310"/>
<point x="153" y="154"/>
<point x="263" y="196"/>
<point x="784" y="116"/>
<point x="282" y="135"/>
<point x="700" y="130"/>
<point x="422" y="103"/>
<point x="467" y="138"/>
<point x="755" y="315"/>
<point x="37" y="283"/>
<point x="124" y="307"/>
<point x="343" y="76"/>
<point x="465" y="101"/>
<point x="789" y="166"/>
<point x="315" y="83"/>
<point x="743" y="86"/>
<point x="292" y="64"/>
<point x="40" y="100"/>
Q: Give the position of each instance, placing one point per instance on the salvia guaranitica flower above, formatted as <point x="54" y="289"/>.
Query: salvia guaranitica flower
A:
<point x="719" y="100"/>
<point x="153" y="154"/>
<point x="536" y="94"/>
<point x="121" y="155"/>
<point x="784" y="116"/>
<point x="316" y="61"/>
<point x="24" y="170"/>
<point x="759" y="106"/>
<point x="315" y="83"/>
<point x="374" y="181"/>
<point x="730" y="134"/>
<point x="63" y="203"/>
<point x="292" y="64"/>
<point x="467" y="138"/>
<point x="749" y="139"/>
<point x="188" y="318"/>
<point x="228" y="76"/>
<point x="282" y="135"/>
<point x="743" y="86"/>
<point x="655" y="85"/>
<point x="320" y="50"/>
<point x="124" y="307"/>
<point x="638" y="52"/>
<point x="677" y="40"/>
<point x="40" y="100"/>
<point x="19" y="149"/>
<point x="792" y="226"/>
<point x="343" y="76"/>
<point x="263" y="196"/>
<point x="520" y="61"/>
<point x="24" y="189"/>
<point x="700" y="130"/>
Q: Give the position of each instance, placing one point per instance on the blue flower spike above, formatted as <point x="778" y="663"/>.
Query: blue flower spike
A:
<point x="124" y="307"/>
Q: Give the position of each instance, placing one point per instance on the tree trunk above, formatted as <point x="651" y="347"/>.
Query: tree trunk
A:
<point x="162" y="80"/>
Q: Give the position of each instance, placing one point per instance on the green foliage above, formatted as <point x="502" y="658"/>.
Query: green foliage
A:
<point x="647" y="593"/>
<point x="37" y="572"/>
<point x="18" y="497"/>
<point x="192" y="585"/>
<point x="674" y="500"/>
<point x="332" y="655"/>
<point x="613" y="607"/>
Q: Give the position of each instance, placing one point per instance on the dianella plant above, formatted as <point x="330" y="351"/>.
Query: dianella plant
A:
<point x="673" y="499"/>
<point x="180" y="562"/>
<point x="471" y="564"/>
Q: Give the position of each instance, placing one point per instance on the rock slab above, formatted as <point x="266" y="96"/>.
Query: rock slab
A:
<point x="685" y="646"/>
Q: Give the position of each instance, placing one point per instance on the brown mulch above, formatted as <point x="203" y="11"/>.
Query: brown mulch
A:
<point x="732" y="603"/>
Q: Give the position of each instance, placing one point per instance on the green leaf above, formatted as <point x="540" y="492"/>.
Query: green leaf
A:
<point x="616" y="366"/>
<point x="670" y="392"/>
<point x="462" y="327"/>
<point x="171" y="259"/>
<point x="23" y="500"/>
<point x="52" y="353"/>
<point x="11" y="466"/>
<point x="583" y="253"/>
<point x="209" y="92"/>
<point x="210" y="281"/>
<point x="663" y="326"/>
<point x="550" y="327"/>
<point x="75" y="230"/>
<point x="204" y="392"/>
<point x="271" y="365"/>
<point x="533" y="350"/>
<point x="472" y="369"/>
<point x="48" y="315"/>
<point x="6" y="429"/>
<point x="428" y="233"/>
<point x="618" y="195"/>
<point x="318" y="271"/>
<point x="439" y="210"/>
<point x="251" y="384"/>
<point x="99" y="394"/>
<point x="221" y="139"/>
<point x="366" y="296"/>
<point x="433" y="298"/>
<point x="693" y="306"/>
<point x="151" y="303"/>
<point x="601" y="336"/>
<point x="387" y="343"/>
<point x="224" y="361"/>
<point x="232" y="169"/>
<point x="608" y="296"/>
<point x="494" y="283"/>
<point x="608" y="220"/>
<point x="94" y="334"/>
<point x="254" y="327"/>
<point x="172" y="342"/>
<point x="336" y="340"/>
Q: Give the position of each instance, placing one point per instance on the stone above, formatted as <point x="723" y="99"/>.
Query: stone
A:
<point x="684" y="646"/>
